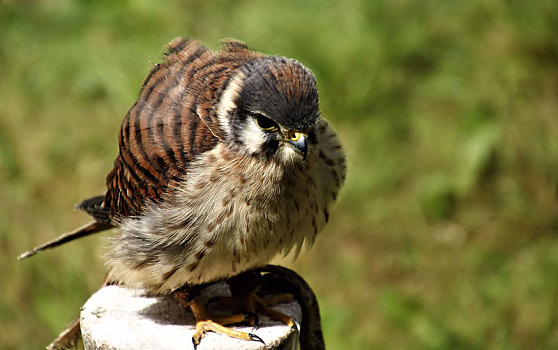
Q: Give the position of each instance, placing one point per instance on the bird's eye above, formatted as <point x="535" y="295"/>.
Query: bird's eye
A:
<point x="265" y="123"/>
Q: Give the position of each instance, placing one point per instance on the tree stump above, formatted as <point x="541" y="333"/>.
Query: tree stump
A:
<point x="116" y="317"/>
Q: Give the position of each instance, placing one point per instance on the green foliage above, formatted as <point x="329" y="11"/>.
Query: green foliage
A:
<point x="445" y="235"/>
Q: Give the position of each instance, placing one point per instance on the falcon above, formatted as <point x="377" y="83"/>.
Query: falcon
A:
<point x="224" y="162"/>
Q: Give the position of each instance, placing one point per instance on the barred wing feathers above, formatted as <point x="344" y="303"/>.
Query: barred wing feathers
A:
<point x="173" y="121"/>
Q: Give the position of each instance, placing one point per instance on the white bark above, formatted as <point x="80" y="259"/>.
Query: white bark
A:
<point x="120" y="318"/>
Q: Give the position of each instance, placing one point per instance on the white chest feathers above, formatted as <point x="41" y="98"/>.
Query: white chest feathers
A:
<point x="229" y="215"/>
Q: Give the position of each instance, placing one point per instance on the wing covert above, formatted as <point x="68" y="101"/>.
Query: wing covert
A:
<point x="173" y="121"/>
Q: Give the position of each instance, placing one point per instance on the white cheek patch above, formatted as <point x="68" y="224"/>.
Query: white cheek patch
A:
<point x="226" y="102"/>
<point x="252" y="136"/>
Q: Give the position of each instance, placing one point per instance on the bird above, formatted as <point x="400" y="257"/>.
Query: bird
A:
<point x="224" y="162"/>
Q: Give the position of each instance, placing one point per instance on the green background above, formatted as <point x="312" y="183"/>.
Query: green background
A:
<point x="446" y="233"/>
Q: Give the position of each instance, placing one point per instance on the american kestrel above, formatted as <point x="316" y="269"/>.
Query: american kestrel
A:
<point x="225" y="161"/>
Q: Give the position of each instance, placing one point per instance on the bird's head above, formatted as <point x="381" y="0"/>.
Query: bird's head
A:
<point x="269" y="108"/>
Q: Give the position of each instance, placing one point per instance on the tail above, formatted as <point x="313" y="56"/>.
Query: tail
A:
<point x="90" y="228"/>
<point x="94" y="207"/>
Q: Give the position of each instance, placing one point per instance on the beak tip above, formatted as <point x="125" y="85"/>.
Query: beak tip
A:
<point x="300" y="145"/>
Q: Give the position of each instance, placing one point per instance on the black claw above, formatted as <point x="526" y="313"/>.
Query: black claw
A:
<point x="256" y="338"/>
<point x="194" y="343"/>
<point x="296" y="325"/>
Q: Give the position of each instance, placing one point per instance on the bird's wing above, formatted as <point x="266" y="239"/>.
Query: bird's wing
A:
<point x="161" y="133"/>
<point x="173" y="121"/>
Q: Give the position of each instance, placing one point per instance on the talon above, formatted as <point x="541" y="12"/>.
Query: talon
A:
<point x="253" y="308"/>
<point x="296" y="325"/>
<point x="256" y="338"/>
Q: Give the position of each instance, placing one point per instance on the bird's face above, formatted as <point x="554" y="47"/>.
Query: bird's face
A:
<point x="271" y="107"/>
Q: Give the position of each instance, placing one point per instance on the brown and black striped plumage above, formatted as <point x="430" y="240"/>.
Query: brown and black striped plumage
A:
<point x="170" y="123"/>
<point x="224" y="162"/>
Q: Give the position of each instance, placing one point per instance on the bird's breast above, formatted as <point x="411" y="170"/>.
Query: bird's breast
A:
<point x="229" y="214"/>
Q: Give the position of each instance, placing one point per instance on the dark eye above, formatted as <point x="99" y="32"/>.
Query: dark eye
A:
<point x="265" y="123"/>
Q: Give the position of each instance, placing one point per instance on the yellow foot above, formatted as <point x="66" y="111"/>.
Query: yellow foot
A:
<point x="247" y="308"/>
<point x="204" y="324"/>
<point x="263" y="306"/>
<point x="253" y="306"/>
<point x="202" y="327"/>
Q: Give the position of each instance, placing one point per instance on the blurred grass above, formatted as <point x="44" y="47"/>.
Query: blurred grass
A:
<point x="446" y="234"/>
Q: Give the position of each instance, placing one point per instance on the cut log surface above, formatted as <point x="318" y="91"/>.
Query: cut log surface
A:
<point x="121" y="318"/>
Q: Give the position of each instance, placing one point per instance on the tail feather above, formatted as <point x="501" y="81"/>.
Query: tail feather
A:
<point x="90" y="228"/>
<point x="96" y="208"/>
<point x="68" y="338"/>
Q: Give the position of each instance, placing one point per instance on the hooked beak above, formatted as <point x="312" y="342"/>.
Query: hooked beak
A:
<point x="297" y="140"/>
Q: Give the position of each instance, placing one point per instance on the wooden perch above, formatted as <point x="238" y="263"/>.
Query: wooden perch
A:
<point x="120" y="318"/>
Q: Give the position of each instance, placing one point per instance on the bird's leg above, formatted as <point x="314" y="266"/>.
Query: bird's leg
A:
<point x="253" y="305"/>
<point x="263" y="306"/>
<point x="205" y="323"/>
